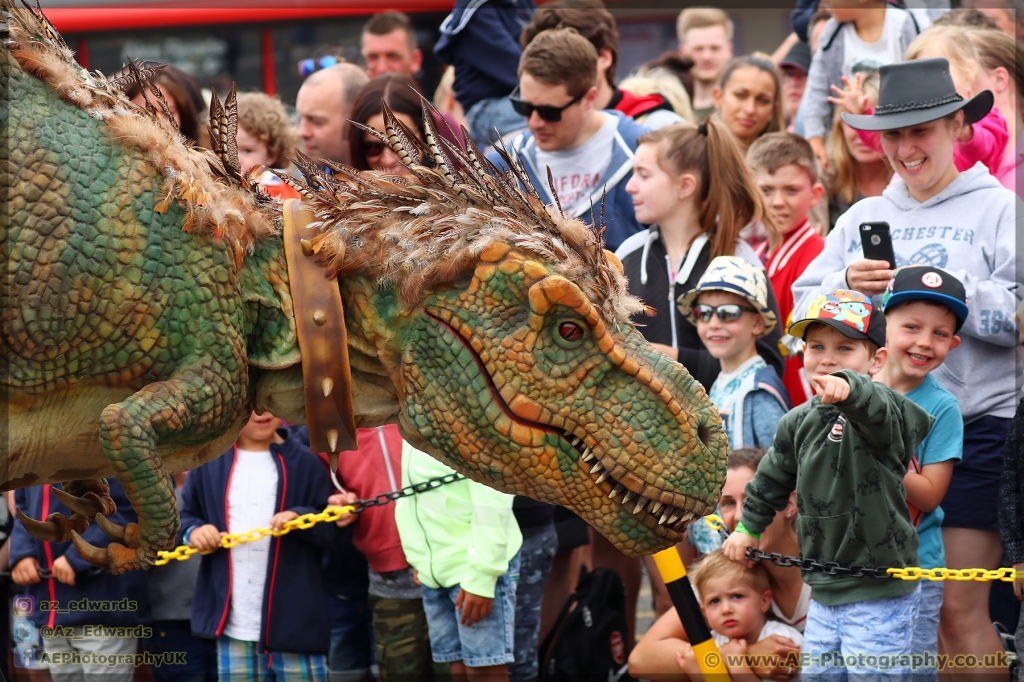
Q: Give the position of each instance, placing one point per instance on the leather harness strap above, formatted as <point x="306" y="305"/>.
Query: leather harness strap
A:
<point x="323" y="339"/>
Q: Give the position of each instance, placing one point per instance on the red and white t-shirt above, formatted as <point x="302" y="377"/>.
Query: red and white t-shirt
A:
<point x="784" y="266"/>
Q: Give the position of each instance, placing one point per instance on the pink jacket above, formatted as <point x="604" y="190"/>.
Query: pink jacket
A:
<point x="988" y="145"/>
<point x="375" y="468"/>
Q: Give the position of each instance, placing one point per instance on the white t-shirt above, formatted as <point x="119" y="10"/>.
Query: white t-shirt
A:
<point x="252" y="501"/>
<point x="771" y="627"/>
<point x="579" y="172"/>
<point x="871" y="56"/>
<point x="803" y="605"/>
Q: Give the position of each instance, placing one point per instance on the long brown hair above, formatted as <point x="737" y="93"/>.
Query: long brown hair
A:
<point x="729" y="199"/>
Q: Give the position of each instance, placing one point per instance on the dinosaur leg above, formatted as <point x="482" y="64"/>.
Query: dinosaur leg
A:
<point x="130" y="432"/>
<point x="85" y="499"/>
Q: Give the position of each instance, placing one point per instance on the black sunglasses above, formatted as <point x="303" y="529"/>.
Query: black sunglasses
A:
<point x="730" y="312"/>
<point x="373" y="147"/>
<point x="548" y="112"/>
<point x="308" y="66"/>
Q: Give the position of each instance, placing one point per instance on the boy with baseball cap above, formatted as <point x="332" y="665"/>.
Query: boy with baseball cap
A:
<point x="729" y="307"/>
<point x="924" y="309"/>
<point x="845" y="452"/>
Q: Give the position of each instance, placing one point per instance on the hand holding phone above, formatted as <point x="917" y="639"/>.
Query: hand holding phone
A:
<point x="876" y="243"/>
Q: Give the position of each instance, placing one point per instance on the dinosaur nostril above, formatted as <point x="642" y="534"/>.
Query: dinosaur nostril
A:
<point x="703" y="433"/>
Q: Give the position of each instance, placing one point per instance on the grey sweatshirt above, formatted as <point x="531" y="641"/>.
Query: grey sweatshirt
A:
<point x="969" y="229"/>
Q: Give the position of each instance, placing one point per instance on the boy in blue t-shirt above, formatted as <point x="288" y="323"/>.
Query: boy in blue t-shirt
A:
<point x="924" y="309"/>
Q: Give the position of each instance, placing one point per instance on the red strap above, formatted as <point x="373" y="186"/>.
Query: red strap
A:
<point x="49" y="560"/>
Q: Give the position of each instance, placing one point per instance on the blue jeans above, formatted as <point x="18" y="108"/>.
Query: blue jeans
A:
<point x="857" y="640"/>
<point x="488" y="114"/>
<point x="200" y="657"/>
<point x="535" y="559"/>
<point x="351" y="655"/>
<point x="926" y="629"/>
<point x="487" y="642"/>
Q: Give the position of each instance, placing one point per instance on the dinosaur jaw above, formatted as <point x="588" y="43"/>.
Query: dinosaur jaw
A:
<point x="647" y="507"/>
<point x="616" y="501"/>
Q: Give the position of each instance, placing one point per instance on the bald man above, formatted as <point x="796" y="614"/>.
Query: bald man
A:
<point x="324" y="102"/>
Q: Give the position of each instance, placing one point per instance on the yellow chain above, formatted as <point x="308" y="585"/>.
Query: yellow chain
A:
<point x="185" y="552"/>
<point x="915" y="573"/>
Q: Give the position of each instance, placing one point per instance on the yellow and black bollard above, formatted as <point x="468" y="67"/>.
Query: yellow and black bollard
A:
<point x="670" y="565"/>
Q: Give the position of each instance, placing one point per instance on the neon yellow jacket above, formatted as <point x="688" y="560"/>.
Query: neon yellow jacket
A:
<point x="462" y="533"/>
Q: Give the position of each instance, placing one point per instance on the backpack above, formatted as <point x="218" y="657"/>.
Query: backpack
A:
<point x="588" y="640"/>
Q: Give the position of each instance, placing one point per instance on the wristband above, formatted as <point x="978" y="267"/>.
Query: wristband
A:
<point x="740" y="528"/>
<point x="186" y="534"/>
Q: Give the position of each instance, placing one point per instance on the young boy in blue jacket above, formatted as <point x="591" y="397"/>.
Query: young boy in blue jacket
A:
<point x="264" y="601"/>
<point x="75" y="640"/>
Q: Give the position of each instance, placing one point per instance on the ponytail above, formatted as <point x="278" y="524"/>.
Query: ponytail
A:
<point x="729" y="200"/>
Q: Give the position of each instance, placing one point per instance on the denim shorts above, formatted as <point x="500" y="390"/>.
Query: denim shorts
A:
<point x="487" y="642"/>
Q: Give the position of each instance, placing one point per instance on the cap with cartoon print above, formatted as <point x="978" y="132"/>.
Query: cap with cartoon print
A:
<point x="848" y="312"/>
<point x="732" y="275"/>
<point x="924" y="282"/>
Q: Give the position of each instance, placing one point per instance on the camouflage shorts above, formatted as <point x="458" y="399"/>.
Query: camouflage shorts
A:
<point x="402" y="642"/>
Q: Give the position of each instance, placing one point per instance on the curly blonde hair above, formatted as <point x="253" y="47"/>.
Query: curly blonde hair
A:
<point x="265" y="118"/>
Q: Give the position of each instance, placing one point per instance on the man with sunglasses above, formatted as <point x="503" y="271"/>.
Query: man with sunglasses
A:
<point x="323" y="103"/>
<point x="589" y="152"/>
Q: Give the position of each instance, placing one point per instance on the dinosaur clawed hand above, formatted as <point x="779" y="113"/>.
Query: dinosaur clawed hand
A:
<point x="115" y="557"/>
<point x="56" y="527"/>
<point x="90" y="504"/>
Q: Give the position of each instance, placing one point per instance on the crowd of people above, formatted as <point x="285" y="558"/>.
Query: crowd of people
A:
<point x="870" y="398"/>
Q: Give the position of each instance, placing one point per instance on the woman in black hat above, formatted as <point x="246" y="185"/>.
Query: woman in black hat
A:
<point x="963" y="222"/>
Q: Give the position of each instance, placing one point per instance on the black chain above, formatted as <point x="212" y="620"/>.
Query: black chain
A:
<point x="407" y="491"/>
<point x="828" y="568"/>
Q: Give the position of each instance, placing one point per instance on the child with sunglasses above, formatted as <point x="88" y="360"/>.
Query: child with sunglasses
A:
<point x="729" y="307"/>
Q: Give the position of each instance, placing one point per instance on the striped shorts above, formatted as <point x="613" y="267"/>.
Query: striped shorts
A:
<point x="239" y="661"/>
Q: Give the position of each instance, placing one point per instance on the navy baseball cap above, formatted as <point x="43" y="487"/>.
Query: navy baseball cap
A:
<point x="924" y="282"/>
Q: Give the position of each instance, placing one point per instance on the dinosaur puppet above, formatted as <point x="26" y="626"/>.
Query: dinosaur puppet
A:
<point x="148" y="307"/>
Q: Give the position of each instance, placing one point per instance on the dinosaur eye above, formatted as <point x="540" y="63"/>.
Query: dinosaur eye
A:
<point x="570" y="331"/>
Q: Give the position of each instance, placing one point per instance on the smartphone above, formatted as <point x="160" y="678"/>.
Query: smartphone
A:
<point x="877" y="242"/>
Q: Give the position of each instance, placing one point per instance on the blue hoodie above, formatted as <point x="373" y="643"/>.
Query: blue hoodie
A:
<point x="129" y="591"/>
<point x="480" y="39"/>
<point x="619" y="216"/>
<point x="295" y="617"/>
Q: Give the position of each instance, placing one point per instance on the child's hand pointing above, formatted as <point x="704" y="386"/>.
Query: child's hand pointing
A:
<point x="832" y="389"/>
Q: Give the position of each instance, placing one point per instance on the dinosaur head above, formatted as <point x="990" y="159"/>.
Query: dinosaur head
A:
<point x="513" y="375"/>
<point x="505" y="329"/>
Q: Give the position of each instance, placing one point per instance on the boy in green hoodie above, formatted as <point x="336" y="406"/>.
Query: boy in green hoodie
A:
<point x="463" y="541"/>
<point x="845" y="452"/>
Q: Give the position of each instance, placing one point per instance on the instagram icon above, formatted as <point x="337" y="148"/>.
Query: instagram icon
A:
<point x="23" y="604"/>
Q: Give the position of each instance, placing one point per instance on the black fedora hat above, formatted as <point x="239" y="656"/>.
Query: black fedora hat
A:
<point x="916" y="92"/>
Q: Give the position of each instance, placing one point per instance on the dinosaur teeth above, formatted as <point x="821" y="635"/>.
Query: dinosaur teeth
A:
<point x="618" y="488"/>
<point x="640" y="505"/>
<point x="664" y="517"/>
<point x="597" y="467"/>
<point x="603" y="476"/>
<point x="625" y="498"/>
<point x="656" y="506"/>
<point x="587" y="455"/>
<point x="675" y="515"/>
<point x="576" y="441"/>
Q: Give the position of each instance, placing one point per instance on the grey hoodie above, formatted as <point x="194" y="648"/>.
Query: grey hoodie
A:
<point x="968" y="229"/>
